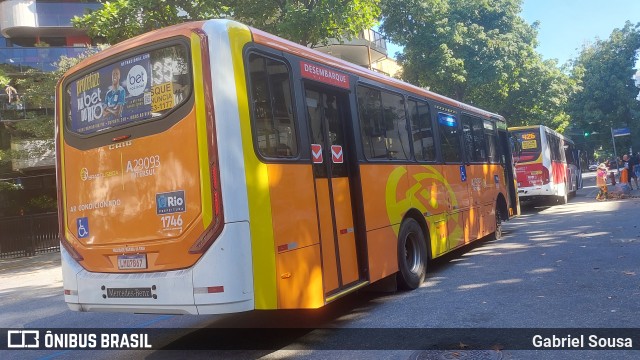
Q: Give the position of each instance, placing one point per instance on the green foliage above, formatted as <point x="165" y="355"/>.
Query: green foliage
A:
<point x="123" y="19"/>
<point x="480" y="52"/>
<point x="305" y="22"/>
<point x="4" y="79"/>
<point x="607" y="96"/>
<point x="42" y="203"/>
<point x="308" y="22"/>
<point x="38" y="89"/>
<point x="8" y="186"/>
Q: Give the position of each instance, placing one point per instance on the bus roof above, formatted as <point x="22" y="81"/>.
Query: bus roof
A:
<point x="275" y="42"/>
<point x="279" y="43"/>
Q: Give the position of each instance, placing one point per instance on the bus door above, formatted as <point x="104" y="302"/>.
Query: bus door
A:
<point x="505" y="144"/>
<point x="327" y="114"/>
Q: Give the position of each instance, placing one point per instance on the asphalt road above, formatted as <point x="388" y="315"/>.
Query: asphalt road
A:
<point x="566" y="266"/>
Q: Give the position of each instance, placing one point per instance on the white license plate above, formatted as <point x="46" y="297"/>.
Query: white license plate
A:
<point x="137" y="261"/>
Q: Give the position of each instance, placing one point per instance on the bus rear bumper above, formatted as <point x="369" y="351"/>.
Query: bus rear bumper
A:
<point x="532" y="192"/>
<point x="220" y="282"/>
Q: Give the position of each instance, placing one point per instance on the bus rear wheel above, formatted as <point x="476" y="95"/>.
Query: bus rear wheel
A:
<point x="497" y="234"/>
<point x="412" y="255"/>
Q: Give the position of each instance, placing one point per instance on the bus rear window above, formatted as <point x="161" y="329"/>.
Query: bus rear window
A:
<point x="528" y="144"/>
<point x="132" y="90"/>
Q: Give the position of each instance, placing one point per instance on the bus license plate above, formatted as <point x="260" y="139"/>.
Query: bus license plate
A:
<point x="137" y="261"/>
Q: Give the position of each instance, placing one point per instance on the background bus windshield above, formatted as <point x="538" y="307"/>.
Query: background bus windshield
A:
<point x="529" y="145"/>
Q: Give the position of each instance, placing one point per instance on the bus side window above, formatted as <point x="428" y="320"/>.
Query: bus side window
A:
<point x="383" y="124"/>
<point x="274" y="122"/>
<point x="449" y="138"/>
<point x="422" y="131"/>
<point x="492" y="142"/>
<point x="474" y="143"/>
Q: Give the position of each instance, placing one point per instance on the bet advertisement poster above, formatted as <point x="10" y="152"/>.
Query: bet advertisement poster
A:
<point x="114" y="95"/>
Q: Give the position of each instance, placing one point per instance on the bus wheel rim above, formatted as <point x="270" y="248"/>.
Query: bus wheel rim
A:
<point x="412" y="253"/>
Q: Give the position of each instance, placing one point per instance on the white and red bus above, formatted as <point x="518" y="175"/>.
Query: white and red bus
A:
<point x="211" y="167"/>
<point x="547" y="164"/>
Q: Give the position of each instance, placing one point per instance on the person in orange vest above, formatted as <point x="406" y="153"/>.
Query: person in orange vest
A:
<point x="601" y="182"/>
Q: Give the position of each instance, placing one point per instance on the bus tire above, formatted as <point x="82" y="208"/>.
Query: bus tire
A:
<point x="412" y="255"/>
<point x="497" y="234"/>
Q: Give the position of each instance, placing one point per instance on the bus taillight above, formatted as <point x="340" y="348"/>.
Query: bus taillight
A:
<point x="74" y="254"/>
<point x="205" y="240"/>
<point x="216" y="191"/>
<point x="545" y="175"/>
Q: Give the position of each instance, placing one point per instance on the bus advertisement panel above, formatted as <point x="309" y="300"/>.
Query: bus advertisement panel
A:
<point x="111" y="96"/>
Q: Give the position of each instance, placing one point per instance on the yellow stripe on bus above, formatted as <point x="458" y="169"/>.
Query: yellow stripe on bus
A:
<point x="61" y="171"/>
<point x="261" y="224"/>
<point x="201" y="130"/>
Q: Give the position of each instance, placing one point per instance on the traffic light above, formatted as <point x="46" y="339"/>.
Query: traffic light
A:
<point x="586" y="134"/>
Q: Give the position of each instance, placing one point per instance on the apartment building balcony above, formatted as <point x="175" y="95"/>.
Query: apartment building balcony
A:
<point x="31" y="18"/>
<point x="368" y="48"/>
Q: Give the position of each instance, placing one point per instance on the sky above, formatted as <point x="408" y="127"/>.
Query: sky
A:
<point x="565" y="25"/>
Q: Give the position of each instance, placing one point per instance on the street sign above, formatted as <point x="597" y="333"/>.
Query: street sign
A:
<point x="621" y="132"/>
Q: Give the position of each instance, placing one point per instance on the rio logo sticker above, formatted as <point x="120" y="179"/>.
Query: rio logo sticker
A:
<point x="170" y="202"/>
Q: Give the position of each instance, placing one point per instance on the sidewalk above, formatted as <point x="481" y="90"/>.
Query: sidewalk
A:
<point x="42" y="270"/>
<point x="39" y="261"/>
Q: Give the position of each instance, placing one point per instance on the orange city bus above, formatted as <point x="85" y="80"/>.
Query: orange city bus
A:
<point x="210" y="167"/>
<point x="547" y="164"/>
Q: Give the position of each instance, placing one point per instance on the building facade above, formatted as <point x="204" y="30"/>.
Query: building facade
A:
<point x="368" y="49"/>
<point x="34" y="34"/>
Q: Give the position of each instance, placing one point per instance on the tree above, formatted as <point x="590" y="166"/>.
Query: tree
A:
<point x="307" y="22"/>
<point x="119" y="20"/>
<point x="607" y="96"/>
<point x="477" y="51"/>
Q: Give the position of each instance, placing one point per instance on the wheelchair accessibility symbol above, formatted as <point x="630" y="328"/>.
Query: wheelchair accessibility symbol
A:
<point x="83" y="227"/>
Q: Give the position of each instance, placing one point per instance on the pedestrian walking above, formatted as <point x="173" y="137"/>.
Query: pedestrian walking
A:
<point x="626" y="174"/>
<point x="601" y="182"/>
